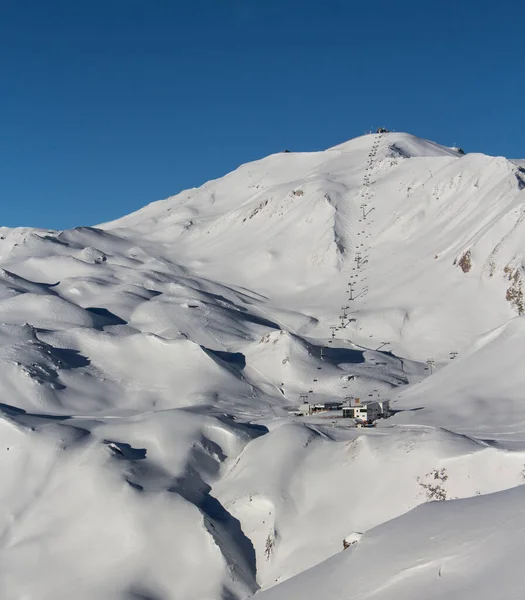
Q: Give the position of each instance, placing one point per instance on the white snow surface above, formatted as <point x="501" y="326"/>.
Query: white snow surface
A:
<point x="149" y="368"/>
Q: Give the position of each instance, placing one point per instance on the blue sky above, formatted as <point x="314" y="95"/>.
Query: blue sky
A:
<point x="107" y="105"/>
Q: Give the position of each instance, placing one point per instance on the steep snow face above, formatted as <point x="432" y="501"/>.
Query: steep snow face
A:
<point x="462" y="549"/>
<point x="480" y="392"/>
<point x="148" y="367"/>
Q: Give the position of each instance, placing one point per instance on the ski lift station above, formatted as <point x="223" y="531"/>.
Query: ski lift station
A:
<point x="367" y="411"/>
<point x="360" y="411"/>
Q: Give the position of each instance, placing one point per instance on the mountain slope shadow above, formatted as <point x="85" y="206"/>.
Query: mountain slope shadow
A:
<point x="21" y="416"/>
<point x="226" y="530"/>
<point x="69" y="358"/>
<point x="340" y="356"/>
<point x="140" y="593"/>
<point x="124" y="451"/>
<point x="235" y="359"/>
<point x="205" y="456"/>
<point x="240" y="312"/>
<point x="104" y="318"/>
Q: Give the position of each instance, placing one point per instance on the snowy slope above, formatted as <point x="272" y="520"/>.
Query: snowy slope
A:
<point x="148" y="366"/>
<point x="293" y="224"/>
<point x="298" y="491"/>
<point x="480" y="392"/>
<point x="461" y="549"/>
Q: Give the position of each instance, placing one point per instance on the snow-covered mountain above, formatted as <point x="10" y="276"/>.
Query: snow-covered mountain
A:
<point x="148" y="367"/>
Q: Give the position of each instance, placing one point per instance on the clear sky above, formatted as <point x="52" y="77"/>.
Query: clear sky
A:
<point x="107" y="105"/>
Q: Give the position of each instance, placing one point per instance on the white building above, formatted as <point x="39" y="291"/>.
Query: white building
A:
<point x="356" y="412"/>
<point x="368" y="411"/>
<point x="306" y="408"/>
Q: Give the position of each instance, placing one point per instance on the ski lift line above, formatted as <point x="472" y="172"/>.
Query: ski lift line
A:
<point x="367" y="194"/>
